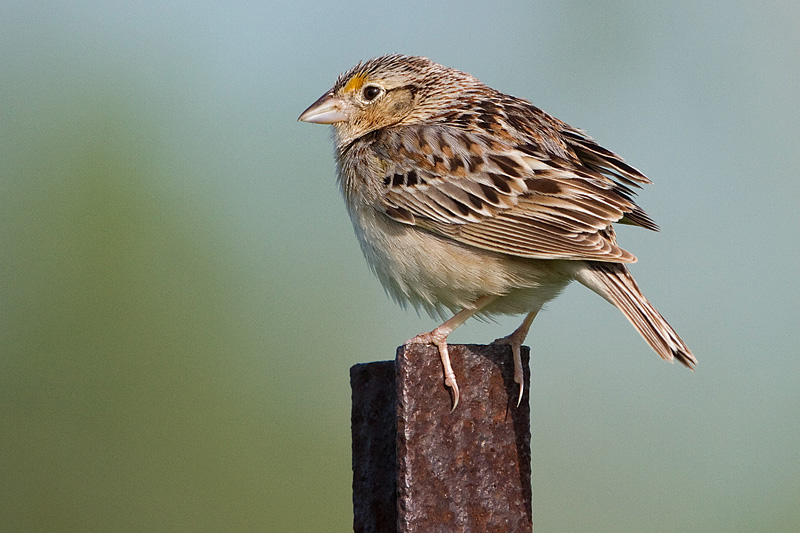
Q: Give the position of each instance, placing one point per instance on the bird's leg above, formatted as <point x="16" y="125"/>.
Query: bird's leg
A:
<point x="438" y="337"/>
<point x="515" y="340"/>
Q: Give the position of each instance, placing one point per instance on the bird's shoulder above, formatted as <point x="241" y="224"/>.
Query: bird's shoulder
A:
<point x="506" y="178"/>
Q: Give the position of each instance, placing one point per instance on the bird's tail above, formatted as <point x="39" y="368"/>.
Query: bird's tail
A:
<point x="613" y="282"/>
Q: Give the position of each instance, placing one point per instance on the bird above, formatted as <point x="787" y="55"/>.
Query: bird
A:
<point x="470" y="201"/>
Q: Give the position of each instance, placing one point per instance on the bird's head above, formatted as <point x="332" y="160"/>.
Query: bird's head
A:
<point x="386" y="91"/>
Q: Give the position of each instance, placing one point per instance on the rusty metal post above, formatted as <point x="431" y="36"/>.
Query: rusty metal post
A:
<point x="374" y="433"/>
<point x="466" y="470"/>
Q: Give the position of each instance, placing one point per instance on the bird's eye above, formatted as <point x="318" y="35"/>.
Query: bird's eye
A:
<point x="371" y="92"/>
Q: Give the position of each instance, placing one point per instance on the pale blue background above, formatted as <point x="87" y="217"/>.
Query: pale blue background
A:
<point x="181" y="295"/>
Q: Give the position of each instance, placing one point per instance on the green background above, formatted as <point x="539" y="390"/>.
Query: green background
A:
<point x="181" y="294"/>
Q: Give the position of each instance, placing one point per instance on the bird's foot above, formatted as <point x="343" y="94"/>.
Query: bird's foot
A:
<point x="515" y="342"/>
<point x="439" y="339"/>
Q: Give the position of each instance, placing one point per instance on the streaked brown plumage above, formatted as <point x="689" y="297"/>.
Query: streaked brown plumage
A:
<point x="466" y="198"/>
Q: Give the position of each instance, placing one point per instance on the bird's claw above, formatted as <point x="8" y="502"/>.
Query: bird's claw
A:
<point x="519" y="375"/>
<point x="450" y="381"/>
<point x="439" y="339"/>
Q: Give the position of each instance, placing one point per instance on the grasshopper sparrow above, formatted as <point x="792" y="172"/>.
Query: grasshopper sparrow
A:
<point x="468" y="199"/>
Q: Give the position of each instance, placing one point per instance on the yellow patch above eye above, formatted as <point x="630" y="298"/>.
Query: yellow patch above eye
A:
<point x="355" y="83"/>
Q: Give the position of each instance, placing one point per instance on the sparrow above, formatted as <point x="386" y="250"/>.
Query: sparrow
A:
<point x="467" y="199"/>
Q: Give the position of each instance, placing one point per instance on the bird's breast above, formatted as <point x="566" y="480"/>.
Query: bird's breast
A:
<point x="431" y="272"/>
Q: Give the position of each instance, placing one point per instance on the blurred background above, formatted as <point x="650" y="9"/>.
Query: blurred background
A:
<point x="181" y="294"/>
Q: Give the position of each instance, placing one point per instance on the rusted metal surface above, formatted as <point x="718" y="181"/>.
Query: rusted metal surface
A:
<point x="470" y="469"/>
<point x="374" y="433"/>
<point x="466" y="470"/>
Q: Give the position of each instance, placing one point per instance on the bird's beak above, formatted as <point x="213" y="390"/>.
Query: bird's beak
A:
<point x="327" y="110"/>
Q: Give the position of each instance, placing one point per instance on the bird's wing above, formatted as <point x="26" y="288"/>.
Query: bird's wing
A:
<point x="507" y="197"/>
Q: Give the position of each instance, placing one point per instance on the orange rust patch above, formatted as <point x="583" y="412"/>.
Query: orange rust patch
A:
<point x="355" y="83"/>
